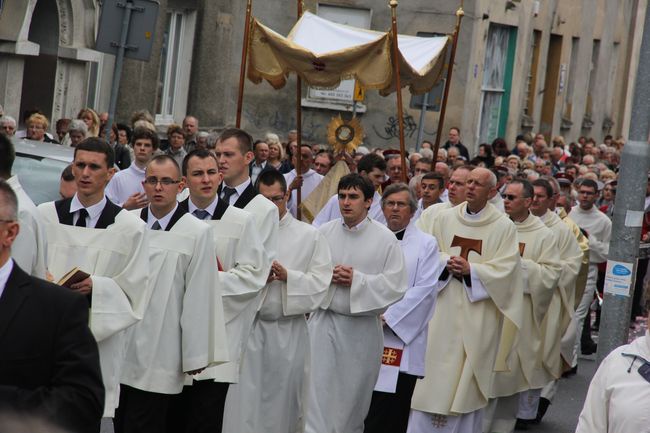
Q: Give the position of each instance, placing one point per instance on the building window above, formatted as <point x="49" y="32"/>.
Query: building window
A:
<point x="175" y="67"/>
<point x="497" y="81"/>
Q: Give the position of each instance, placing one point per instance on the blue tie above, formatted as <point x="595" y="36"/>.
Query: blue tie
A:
<point x="201" y="214"/>
<point x="227" y="193"/>
<point x="156" y="226"/>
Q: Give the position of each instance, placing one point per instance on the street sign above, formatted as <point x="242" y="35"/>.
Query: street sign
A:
<point x="139" y="41"/>
<point x="434" y="98"/>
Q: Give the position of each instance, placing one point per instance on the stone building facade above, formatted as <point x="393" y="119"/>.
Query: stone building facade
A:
<point x="557" y="67"/>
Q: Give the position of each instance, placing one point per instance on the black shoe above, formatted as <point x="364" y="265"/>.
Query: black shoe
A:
<point x="588" y="348"/>
<point x="544" y="403"/>
<point x="522" y="424"/>
<point x="571" y="372"/>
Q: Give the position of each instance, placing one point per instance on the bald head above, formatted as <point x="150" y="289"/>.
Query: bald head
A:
<point x="457" y="185"/>
<point x="481" y="186"/>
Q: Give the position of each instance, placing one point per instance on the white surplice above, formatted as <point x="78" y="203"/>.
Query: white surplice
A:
<point x="332" y="211"/>
<point x="267" y="221"/>
<point x="124" y="184"/>
<point x="117" y="258"/>
<point x="28" y="250"/>
<point x="310" y="181"/>
<point x="174" y="336"/>
<point x="271" y="390"/>
<point x="245" y="268"/>
<point x="618" y="400"/>
<point x="346" y="338"/>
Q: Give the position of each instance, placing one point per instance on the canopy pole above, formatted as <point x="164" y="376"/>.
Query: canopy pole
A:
<point x="244" y="60"/>
<point x="299" y="133"/>
<point x="460" y="13"/>
<point x="398" y="90"/>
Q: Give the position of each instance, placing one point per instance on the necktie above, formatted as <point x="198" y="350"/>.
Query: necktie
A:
<point x="156" y="226"/>
<point x="201" y="214"/>
<point x="81" y="221"/>
<point x="226" y="193"/>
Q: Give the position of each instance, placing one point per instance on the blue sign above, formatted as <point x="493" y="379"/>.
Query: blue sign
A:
<point x="620" y="270"/>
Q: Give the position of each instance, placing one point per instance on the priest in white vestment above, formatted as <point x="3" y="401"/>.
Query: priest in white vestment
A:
<point x="481" y="286"/>
<point x="243" y="270"/>
<point x="457" y="190"/>
<point x="407" y="321"/>
<point x="110" y="244"/>
<point x="373" y="167"/>
<point x="346" y="337"/>
<point x="308" y="179"/>
<point x="125" y="188"/>
<point x="618" y="400"/>
<point x="541" y="270"/>
<point x="270" y="394"/>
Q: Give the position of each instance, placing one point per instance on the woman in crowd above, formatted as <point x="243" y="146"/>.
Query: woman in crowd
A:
<point x="91" y="119"/>
<point x="37" y="125"/>
<point x="276" y="154"/>
<point x="77" y="132"/>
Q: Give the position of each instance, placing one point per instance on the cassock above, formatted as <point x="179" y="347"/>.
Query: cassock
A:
<point x="541" y="269"/>
<point x="618" y="400"/>
<point x="175" y="335"/>
<point x="332" y="211"/>
<point x="28" y="250"/>
<point x="464" y="333"/>
<point x="346" y="337"/>
<point x="408" y="320"/>
<point x="271" y="390"/>
<point x="116" y="255"/>
<point x="310" y="181"/>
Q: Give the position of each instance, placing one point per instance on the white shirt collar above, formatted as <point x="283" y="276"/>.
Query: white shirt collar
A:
<point x="5" y="271"/>
<point x="241" y="187"/>
<point x="164" y="221"/>
<point x="210" y="209"/>
<point x="94" y="211"/>
<point x="262" y="165"/>
<point x="358" y="227"/>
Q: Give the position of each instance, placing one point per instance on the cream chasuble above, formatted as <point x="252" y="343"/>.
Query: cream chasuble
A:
<point x="428" y="216"/>
<point x="345" y="335"/>
<point x="176" y="334"/>
<point x="561" y="309"/>
<point x="117" y="258"/>
<point x="618" y="400"/>
<point x="245" y="268"/>
<point x="272" y="385"/>
<point x="28" y="250"/>
<point x="541" y="269"/>
<point x="464" y="338"/>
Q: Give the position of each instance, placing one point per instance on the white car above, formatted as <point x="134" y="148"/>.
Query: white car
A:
<point x="39" y="166"/>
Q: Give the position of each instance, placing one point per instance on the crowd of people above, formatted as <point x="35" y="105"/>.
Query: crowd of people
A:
<point x="450" y="298"/>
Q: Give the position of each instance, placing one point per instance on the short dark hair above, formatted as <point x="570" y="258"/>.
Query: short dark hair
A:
<point x="243" y="138"/>
<point x="198" y="153"/>
<point x="371" y="161"/>
<point x="161" y="159"/>
<point x="145" y="133"/>
<point x="398" y="187"/>
<point x="9" y="200"/>
<point x="527" y="187"/>
<point x="546" y="185"/>
<point x="456" y="128"/>
<point x="356" y="181"/>
<point x="175" y="129"/>
<point x="67" y="174"/>
<point x="425" y="160"/>
<point x="270" y="178"/>
<point x="125" y="128"/>
<point x="432" y="175"/>
<point x="326" y="153"/>
<point x="98" y="145"/>
<point x="7" y="156"/>
<point x="589" y="183"/>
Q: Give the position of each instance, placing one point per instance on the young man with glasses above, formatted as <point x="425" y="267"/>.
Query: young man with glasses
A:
<point x="183" y="331"/>
<point x="91" y="233"/>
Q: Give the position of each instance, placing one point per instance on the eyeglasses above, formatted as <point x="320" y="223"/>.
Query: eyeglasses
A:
<point x="398" y="204"/>
<point x="510" y="197"/>
<point x="165" y="181"/>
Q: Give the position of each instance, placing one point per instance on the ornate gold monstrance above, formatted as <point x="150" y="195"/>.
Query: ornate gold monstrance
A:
<point x="344" y="135"/>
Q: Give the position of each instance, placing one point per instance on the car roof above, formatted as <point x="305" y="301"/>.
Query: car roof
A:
<point x="43" y="149"/>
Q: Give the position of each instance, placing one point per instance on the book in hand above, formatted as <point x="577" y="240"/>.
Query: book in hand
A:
<point x="73" y="276"/>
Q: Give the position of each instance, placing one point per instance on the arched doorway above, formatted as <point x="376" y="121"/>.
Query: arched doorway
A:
<point x="39" y="74"/>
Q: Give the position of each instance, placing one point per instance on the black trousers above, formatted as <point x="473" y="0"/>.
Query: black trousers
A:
<point x="141" y="411"/>
<point x="389" y="413"/>
<point x="637" y="308"/>
<point x="198" y="409"/>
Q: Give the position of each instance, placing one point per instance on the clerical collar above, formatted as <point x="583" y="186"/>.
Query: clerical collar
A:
<point x="164" y="221"/>
<point x="474" y="216"/>
<point x="400" y="234"/>
<point x="241" y="187"/>
<point x="94" y="211"/>
<point x="210" y="208"/>
<point x="358" y="227"/>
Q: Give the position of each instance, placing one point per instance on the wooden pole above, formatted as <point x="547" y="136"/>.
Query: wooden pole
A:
<point x="460" y="13"/>
<point x="299" y="132"/>
<point x="398" y="89"/>
<point x="244" y="60"/>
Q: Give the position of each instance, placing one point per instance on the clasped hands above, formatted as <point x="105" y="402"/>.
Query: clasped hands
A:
<point x="458" y="266"/>
<point x="277" y="272"/>
<point x="342" y="275"/>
